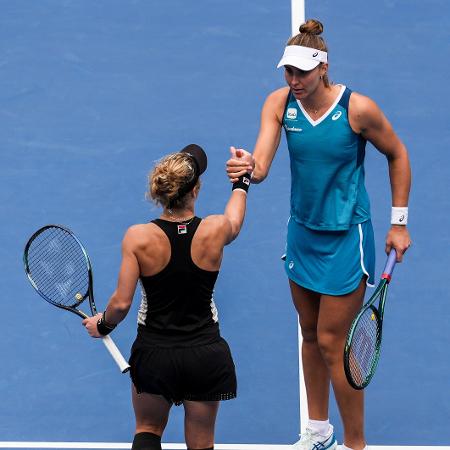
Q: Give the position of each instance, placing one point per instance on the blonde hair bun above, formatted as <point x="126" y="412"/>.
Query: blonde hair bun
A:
<point x="169" y="178"/>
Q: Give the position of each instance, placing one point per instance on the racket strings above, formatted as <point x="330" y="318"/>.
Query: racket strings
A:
<point x="58" y="267"/>
<point x="364" y="348"/>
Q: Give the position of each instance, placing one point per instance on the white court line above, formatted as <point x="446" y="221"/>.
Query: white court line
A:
<point x="125" y="445"/>
<point x="298" y="15"/>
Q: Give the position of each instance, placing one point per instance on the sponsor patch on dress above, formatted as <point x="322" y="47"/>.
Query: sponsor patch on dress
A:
<point x="291" y="113"/>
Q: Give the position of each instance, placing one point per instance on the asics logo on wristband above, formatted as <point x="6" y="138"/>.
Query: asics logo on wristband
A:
<point x="399" y="215"/>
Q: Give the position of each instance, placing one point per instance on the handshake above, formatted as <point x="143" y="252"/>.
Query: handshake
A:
<point x="240" y="163"/>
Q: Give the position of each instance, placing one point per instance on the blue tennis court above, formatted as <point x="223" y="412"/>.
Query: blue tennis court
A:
<point x="92" y="93"/>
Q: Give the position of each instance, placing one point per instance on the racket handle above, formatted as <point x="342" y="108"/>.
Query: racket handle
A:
<point x="390" y="264"/>
<point x="115" y="353"/>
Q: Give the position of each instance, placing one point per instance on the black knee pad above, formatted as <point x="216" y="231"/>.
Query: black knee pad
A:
<point x="146" y="441"/>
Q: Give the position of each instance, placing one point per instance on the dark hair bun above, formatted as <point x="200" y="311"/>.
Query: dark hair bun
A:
<point x="311" y="26"/>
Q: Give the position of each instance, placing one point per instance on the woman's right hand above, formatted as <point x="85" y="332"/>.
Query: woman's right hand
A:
<point x="91" y="325"/>
<point x="240" y="163"/>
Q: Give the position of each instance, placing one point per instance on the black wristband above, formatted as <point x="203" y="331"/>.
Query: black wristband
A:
<point x="104" y="327"/>
<point x="242" y="183"/>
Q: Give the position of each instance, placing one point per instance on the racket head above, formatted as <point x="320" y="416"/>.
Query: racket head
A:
<point x="362" y="348"/>
<point x="58" y="267"/>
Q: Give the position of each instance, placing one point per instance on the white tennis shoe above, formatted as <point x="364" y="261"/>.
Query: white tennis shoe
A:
<point x="314" y="441"/>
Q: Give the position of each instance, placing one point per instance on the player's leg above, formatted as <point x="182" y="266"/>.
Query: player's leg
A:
<point x="199" y="424"/>
<point x="336" y="315"/>
<point x="151" y="412"/>
<point x="319" y="432"/>
<point x="317" y="381"/>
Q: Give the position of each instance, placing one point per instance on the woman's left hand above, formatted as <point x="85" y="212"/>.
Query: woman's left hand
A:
<point x="91" y="325"/>
<point x="398" y="238"/>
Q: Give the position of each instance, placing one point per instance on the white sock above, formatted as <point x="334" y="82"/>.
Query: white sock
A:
<point x="344" y="447"/>
<point x="321" y="427"/>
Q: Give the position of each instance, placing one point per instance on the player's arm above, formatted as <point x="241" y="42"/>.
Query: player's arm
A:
<point x="374" y="126"/>
<point x="120" y="301"/>
<point x="228" y="225"/>
<point x="266" y="143"/>
<point x="234" y="214"/>
<point x="269" y="134"/>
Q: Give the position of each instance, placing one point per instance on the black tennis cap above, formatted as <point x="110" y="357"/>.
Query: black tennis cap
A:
<point x="199" y="156"/>
<point x="200" y="160"/>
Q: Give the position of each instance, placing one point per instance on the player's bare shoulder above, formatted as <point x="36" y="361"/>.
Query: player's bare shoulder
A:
<point x="361" y="103"/>
<point x="215" y="229"/>
<point x="279" y="95"/>
<point x="276" y="101"/>
<point x="142" y="235"/>
<point x="362" y="112"/>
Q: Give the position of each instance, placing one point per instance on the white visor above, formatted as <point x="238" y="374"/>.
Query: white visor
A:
<point x="304" y="58"/>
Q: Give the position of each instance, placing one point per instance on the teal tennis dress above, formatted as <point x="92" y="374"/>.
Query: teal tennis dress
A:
<point x="330" y="241"/>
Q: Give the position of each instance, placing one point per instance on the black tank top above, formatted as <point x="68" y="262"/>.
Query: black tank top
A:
<point x="177" y="303"/>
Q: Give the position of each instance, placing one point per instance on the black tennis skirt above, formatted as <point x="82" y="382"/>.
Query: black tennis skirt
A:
<point x="195" y="373"/>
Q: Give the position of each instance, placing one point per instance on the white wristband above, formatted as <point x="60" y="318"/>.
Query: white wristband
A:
<point x="399" y="215"/>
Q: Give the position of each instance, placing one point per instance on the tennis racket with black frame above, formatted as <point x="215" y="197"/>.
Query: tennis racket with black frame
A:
<point x="363" y="345"/>
<point x="58" y="267"/>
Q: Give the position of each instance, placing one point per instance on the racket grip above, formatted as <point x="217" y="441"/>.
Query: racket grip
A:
<point x="115" y="353"/>
<point x="390" y="264"/>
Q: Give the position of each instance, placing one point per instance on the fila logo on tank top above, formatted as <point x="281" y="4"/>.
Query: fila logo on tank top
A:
<point x="327" y="170"/>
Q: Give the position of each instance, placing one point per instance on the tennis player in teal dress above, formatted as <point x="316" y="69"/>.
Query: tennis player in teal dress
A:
<point x="330" y="245"/>
<point x="330" y="252"/>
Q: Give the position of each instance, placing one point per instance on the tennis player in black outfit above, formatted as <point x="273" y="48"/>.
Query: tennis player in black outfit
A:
<point x="178" y="356"/>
